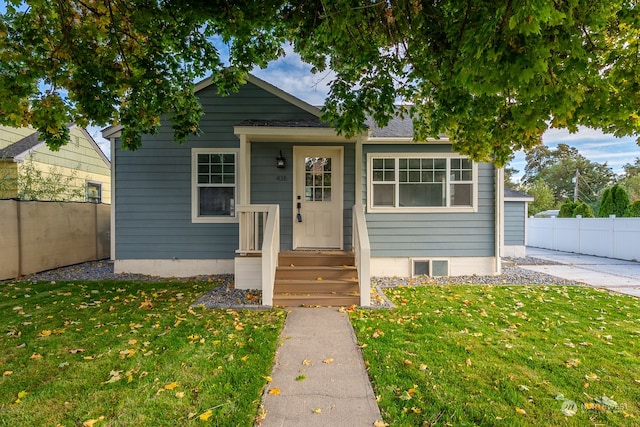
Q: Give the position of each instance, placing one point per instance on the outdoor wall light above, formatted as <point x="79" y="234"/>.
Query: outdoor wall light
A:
<point x="281" y="162"/>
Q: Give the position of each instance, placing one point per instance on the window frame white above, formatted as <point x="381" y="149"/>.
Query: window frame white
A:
<point x="195" y="200"/>
<point x="396" y="208"/>
<point x="98" y="185"/>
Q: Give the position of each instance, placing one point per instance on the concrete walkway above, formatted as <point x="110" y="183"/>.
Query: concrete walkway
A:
<point x="319" y="375"/>
<point x="613" y="274"/>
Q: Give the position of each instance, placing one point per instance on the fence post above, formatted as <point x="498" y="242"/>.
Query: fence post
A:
<point x="613" y="236"/>
<point x="579" y="218"/>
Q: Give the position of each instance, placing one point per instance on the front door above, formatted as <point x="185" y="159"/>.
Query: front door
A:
<point x="317" y="197"/>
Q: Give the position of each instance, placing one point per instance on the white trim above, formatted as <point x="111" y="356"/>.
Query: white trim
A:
<point x="425" y="209"/>
<point x="405" y="140"/>
<point x="111" y="132"/>
<point x="518" y="199"/>
<point x="286" y="134"/>
<point x="244" y="171"/>
<point x="250" y="78"/>
<point x="458" y="266"/>
<point x="174" y="267"/>
<point x="358" y="171"/>
<point x="194" y="187"/>
<point x="499" y="216"/>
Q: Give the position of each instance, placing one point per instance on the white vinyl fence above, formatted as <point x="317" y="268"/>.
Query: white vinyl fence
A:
<point x="606" y="237"/>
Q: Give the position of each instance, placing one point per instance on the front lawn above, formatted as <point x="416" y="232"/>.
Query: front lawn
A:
<point x="129" y="354"/>
<point x="512" y="356"/>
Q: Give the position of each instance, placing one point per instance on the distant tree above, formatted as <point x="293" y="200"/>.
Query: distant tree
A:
<point x="632" y="169"/>
<point x="509" y="175"/>
<point x="631" y="183"/>
<point x="571" y="209"/>
<point x="615" y="201"/>
<point x="567" y="209"/>
<point x="557" y="167"/>
<point x="633" y="211"/>
<point x="542" y="195"/>
<point x="584" y="210"/>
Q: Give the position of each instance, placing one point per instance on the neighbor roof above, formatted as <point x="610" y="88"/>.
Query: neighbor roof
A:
<point x="19" y="147"/>
<point x="513" y="194"/>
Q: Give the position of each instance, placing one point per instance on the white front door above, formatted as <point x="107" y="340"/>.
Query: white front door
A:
<point x="317" y="197"/>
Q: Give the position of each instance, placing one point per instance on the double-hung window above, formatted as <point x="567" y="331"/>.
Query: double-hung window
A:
<point x="421" y="183"/>
<point x="214" y="182"/>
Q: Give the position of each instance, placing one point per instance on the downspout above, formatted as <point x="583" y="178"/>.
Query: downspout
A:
<point x="499" y="228"/>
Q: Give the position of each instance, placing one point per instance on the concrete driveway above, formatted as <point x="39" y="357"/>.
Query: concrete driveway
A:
<point x="613" y="274"/>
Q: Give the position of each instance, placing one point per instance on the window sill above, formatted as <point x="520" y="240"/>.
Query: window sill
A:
<point x="457" y="209"/>
<point x="214" y="220"/>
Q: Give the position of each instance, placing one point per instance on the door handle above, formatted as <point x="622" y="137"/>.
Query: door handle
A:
<point x="299" y="215"/>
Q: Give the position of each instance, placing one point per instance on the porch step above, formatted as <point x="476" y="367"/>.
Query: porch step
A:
<point x="327" y="278"/>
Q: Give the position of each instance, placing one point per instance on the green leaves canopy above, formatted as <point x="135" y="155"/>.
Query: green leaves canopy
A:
<point x="492" y="75"/>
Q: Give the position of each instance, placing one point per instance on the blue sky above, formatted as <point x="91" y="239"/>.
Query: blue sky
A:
<point x="293" y="76"/>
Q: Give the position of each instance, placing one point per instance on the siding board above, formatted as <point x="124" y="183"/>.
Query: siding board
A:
<point x="434" y="234"/>
<point x="153" y="183"/>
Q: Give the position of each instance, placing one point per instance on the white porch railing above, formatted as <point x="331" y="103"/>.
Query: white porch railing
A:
<point x="362" y="250"/>
<point x="260" y="234"/>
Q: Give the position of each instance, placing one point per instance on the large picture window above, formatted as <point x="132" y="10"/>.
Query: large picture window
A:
<point x="214" y="185"/>
<point x="412" y="182"/>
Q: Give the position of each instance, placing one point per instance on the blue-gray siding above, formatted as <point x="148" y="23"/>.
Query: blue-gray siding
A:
<point x="514" y="223"/>
<point x="153" y="184"/>
<point x="434" y="234"/>
<point x="270" y="185"/>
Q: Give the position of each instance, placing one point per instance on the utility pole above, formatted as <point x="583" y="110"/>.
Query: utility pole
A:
<point x="575" y="186"/>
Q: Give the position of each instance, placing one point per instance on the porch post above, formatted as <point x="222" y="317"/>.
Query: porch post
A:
<point x="244" y="172"/>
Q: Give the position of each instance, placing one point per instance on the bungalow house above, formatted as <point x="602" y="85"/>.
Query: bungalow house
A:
<point x="80" y="166"/>
<point x="272" y="194"/>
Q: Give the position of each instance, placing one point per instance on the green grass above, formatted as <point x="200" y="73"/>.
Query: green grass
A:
<point x="513" y="356"/>
<point x="128" y="353"/>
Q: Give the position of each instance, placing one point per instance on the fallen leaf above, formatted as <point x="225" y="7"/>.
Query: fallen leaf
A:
<point x="268" y="379"/>
<point x="206" y="415"/>
<point x="7" y="373"/>
<point x="171" y="386"/>
<point x="90" y="423"/>
<point x="180" y="394"/>
<point x="468" y="362"/>
<point x="306" y="362"/>
<point x="301" y="378"/>
<point x="521" y="411"/>
<point x="327" y="361"/>
<point x="316" y="410"/>
<point x="379" y="423"/>
<point x="274" y="391"/>
<point x="319" y="278"/>
<point x="35" y="356"/>
<point x="44" y="333"/>
<point x="569" y="408"/>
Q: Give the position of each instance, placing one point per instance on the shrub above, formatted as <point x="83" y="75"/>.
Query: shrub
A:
<point x="633" y="211"/>
<point x="615" y="201"/>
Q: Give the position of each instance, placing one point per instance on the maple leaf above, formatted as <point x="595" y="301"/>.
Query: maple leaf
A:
<point x="206" y="415"/>
<point x="171" y="386"/>
<point x="92" y="422"/>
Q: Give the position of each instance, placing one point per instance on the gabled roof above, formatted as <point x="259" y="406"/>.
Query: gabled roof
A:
<point x="21" y="148"/>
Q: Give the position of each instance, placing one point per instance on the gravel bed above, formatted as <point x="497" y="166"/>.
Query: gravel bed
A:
<point x="226" y="296"/>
